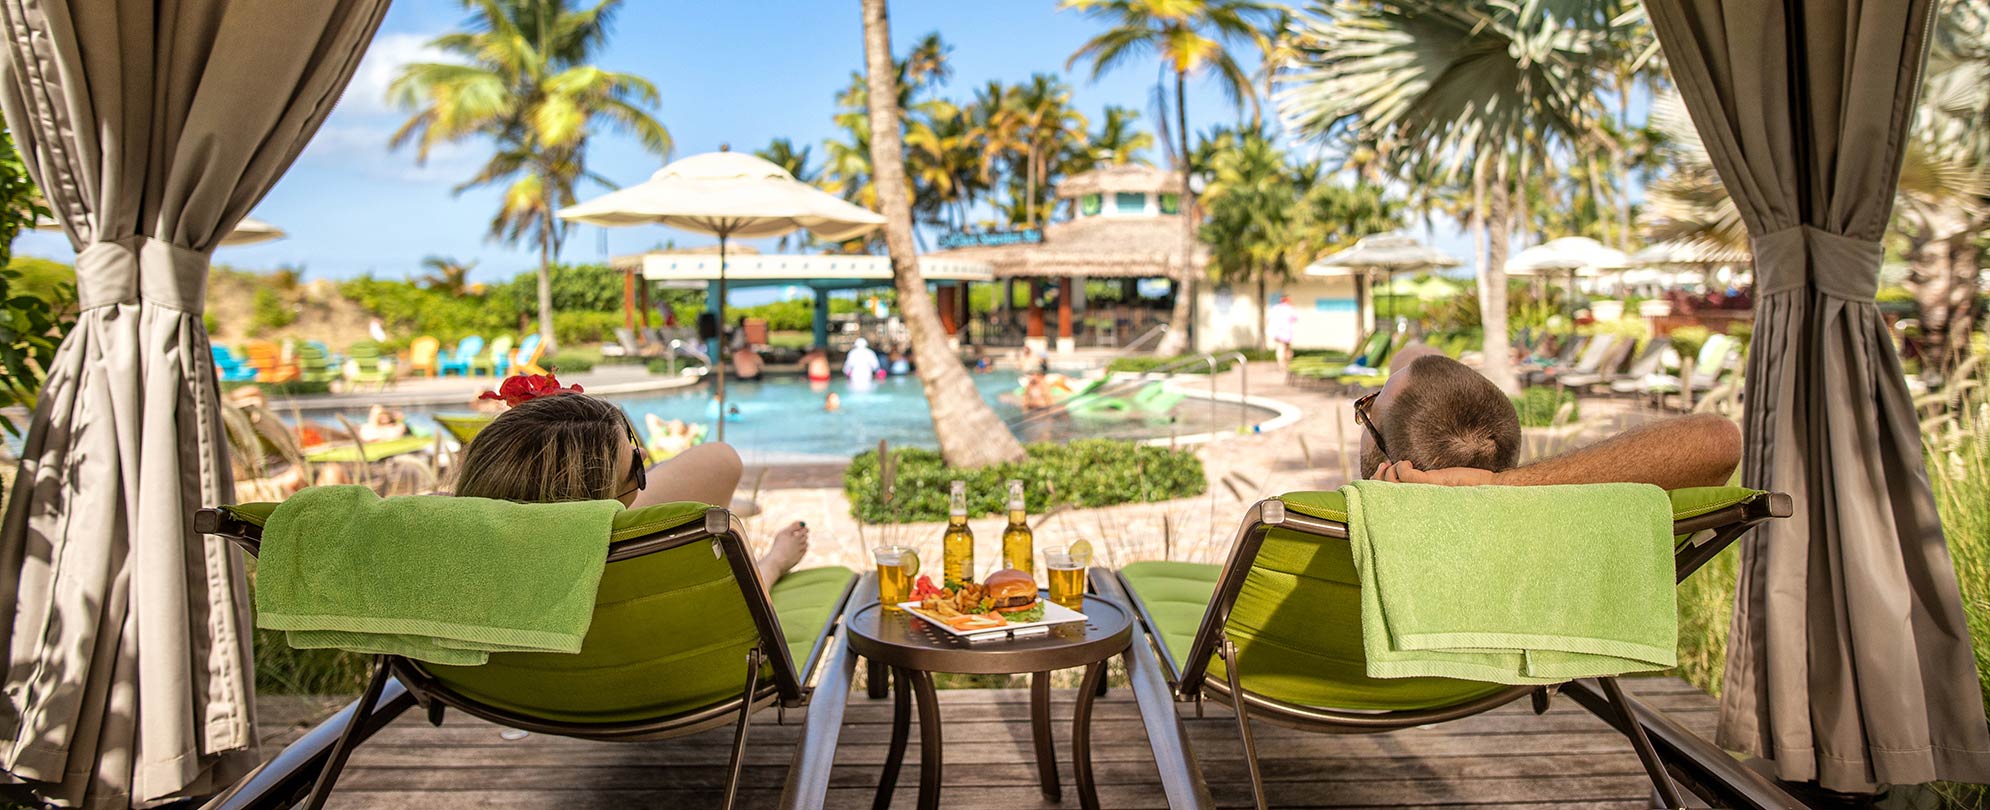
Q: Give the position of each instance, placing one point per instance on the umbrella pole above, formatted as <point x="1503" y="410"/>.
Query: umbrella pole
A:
<point x="719" y="357"/>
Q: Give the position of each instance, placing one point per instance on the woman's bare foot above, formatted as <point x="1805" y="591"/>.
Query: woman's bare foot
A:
<point x="790" y="544"/>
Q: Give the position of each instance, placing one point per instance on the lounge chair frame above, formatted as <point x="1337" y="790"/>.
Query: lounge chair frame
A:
<point x="399" y="683"/>
<point x="1191" y="682"/>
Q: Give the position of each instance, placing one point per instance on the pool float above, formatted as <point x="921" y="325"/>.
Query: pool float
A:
<point x="1153" y="399"/>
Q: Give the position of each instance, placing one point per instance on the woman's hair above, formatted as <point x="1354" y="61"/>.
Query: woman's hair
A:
<point x="562" y="447"/>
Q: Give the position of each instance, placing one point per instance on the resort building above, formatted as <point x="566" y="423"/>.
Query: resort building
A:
<point x="1124" y="223"/>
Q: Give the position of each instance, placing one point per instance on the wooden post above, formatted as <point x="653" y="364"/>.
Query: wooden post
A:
<point x="1065" y="343"/>
<point x="643" y="297"/>
<point x="949" y="313"/>
<point x="629" y="299"/>
<point x="1033" y="335"/>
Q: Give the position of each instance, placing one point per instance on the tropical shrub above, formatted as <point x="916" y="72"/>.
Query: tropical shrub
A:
<point x="271" y="310"/>
<point x="1084" y="473"/>
<point x="572" y="361"/>
<point x="1538" y="406"/>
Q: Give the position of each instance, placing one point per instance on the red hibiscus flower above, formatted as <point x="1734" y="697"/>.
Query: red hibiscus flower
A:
<point x="526" y="387"/>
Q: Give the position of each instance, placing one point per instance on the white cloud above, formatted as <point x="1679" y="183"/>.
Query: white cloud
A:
<point x="367" y="95"/>
<point x="363" y="148"/>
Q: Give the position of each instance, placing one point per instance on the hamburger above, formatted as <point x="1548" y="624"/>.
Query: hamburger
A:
<point x="1010" y="591"/>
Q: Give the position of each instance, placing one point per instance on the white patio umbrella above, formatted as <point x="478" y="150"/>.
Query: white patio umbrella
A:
<point x="727" y="194"/>
<point x="250" y="231"/>
<point x="1577" y="256"/>
<point x="1389" y="253"/>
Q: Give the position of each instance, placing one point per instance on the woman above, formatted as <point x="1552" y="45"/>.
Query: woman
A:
<point x="573" y="447"/>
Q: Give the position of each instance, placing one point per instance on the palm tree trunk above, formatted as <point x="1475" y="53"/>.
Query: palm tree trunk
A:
<point x="1029" y="188"/>
<point x="970" y="433"/>
<point x="1623" y="160"/>
<point x="1263" y="307"/>
<point x="1498" y="363"/>
<point x="546" y="280"/>
<point x="1181" y="324"/>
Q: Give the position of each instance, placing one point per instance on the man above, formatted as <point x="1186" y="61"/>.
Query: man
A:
<point x="1439" y="422"/>
<point x="1281" y="325"/>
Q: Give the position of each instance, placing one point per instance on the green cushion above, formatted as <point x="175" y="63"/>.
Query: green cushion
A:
<point x="669" y="635"/>
<point x="1297" y="620"/>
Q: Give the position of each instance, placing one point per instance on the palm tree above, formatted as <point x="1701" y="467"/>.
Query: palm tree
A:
<point x="1442" y="90"/>
<point x="447" y="275"/>
<point x="1189" y="37"/>
<point x="1251" y="202"/>
<point x="783" y="153"/>
<point x="1051" y="128"/>
<point x="523" y="81"/>
<point x="1120" y="141"/>
<point x="970" y="433"/>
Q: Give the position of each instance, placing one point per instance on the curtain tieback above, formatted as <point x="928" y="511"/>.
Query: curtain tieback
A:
<point x="1838" y="265"/>
<point x="136" y="268"/>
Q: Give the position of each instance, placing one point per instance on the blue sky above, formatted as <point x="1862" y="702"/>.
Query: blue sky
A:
<point x="740" y="73"/>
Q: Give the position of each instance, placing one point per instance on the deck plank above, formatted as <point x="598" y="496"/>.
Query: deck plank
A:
<point x="1507" y="759"/>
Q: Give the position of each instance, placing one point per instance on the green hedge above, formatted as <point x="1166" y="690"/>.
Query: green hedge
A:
<point x="1084" y="473"/>
<point x="1537" y="405"/>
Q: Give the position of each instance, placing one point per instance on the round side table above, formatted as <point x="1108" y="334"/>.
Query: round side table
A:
<point x="914" y="649"/>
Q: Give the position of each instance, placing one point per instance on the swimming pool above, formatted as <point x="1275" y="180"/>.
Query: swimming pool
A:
<point x="781" y="420"/>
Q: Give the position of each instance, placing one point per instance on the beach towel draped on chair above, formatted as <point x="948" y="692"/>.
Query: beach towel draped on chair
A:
<point x="1276" y="631"/>
<point x="682" y="637"/>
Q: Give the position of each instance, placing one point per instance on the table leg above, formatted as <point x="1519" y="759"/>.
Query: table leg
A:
<point x="1046" y="750"/>
<point x="1081" y="737"/>
<point x="929" y="740"/>
<point x="901" y="727"/>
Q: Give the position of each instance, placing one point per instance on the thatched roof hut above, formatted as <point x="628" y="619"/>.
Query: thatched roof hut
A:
<point x="1126" y="223"/>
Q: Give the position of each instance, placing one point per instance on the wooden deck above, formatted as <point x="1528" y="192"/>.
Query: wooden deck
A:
<point x="1508" y="758"/>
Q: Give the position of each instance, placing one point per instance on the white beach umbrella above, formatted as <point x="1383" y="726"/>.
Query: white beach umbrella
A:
<point x="250" y="231"/>
<point x="1388" y="253"/>
<point x="1574" y="256"/>
<point x="727" y="194"/>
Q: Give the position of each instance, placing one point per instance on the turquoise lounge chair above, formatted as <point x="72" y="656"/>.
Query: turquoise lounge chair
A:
<point x="679" y="610"/>
<point x="230" y="368"/>
<point x="1274" y="632"/>
<point x="495" y="361"/>
<point x="466" y="353"/>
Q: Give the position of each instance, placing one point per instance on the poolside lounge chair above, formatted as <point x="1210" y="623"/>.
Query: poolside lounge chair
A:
<point x="1220" y="633"/>
<point x="366" y="365"/>
<point x="526" y="359"/>
<point x="459" y="361"/>
<point x="424" y="356"/>
<point x="1708" y="368"/>
<point x="314" y="364"/>
<point x="1370" y="356"/>
<point x="679" y="610"/>
<point x="1593" y="353"/>
<point x="230" y="368"/>
<point x="625" y="345"/>
<point x="1613" y="366"/>
<point x="496" y="361"/>
<point x="267" y="358"/>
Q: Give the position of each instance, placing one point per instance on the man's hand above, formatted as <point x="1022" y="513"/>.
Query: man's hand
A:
<point x="1407" y="473"/>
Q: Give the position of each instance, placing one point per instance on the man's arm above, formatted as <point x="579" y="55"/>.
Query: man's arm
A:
<point x="1690" y="451"/>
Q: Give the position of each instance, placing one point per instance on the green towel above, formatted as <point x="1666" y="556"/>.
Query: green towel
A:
<point x="434" y="578"/>
<point x="1513" y="585"/>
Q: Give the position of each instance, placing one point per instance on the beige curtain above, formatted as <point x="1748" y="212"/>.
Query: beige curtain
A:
<point x="1849" y="661"/>
<point x="152" y="127"/>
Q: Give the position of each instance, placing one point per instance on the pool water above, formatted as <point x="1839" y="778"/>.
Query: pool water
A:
<point x="781" y="420"/>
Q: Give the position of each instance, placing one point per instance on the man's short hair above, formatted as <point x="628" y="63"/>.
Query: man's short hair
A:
<point x="1447" y="415"/>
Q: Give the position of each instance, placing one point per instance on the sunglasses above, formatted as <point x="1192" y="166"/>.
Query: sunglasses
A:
<point x="637" y="469"/>
<point x="1365" y="417"/>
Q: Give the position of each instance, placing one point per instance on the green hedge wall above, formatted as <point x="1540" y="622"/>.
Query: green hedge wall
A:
<point x="1085" y="473"/>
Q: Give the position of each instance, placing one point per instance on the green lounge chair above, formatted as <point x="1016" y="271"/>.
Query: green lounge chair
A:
<point x="313" y="364"/>
<point x="366" y="364"/>
<point x="495" y="361"/>
<point x="679" y="610"/>
<point x="1275" y="631"/>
